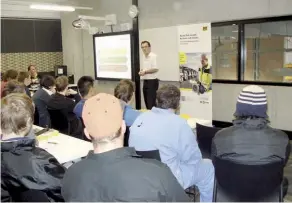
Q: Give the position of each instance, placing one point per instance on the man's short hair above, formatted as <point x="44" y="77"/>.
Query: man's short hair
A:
<point x="10" y="74"/>
<point x="13" y="86"/>
<point x="22" y="76"/>
<point x="168" y="97"/>
<point x="17" y="113"/>
<point x="124" y="90"/>
<point x="146" y="42"/>
<point x="61" y="83"/>
<point x="47" y="81"/>
<point x="85" y="83"/>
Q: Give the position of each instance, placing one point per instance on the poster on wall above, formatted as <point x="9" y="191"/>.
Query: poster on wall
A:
<point x="195" y="58"/>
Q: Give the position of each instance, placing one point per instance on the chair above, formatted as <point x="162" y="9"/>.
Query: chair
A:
<point x="31" y="196"/>
<point x="153" y="154"/>
<point x="126" y="137"/>
<point x="247" y="183"/>
<point x="59" y="121"/>
<point x="205" y="135"/>
<point x="36" y="117"/>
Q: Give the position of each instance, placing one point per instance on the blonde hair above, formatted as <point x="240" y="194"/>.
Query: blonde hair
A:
<point x="61" y="83"/>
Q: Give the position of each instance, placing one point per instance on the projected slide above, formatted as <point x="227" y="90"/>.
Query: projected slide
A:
<point x="113" y="56"/>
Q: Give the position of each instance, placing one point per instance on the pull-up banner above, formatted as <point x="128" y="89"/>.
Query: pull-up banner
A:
<point x="195" y="49"/>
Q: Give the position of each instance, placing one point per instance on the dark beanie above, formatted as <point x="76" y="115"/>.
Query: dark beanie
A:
<point x="252" y="101"/>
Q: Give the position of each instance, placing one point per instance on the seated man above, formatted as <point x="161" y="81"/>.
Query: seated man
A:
<point x="24" y="78"/>
<point x="41" y="98"/>
<point x="23" y="165"/>
<point x="86" y="90"/>
<point x="13" y="86"/>
<point x="124" y="91"/>
<point x="8" y="75"/>
<point x="251" y="139"/>
<point x="112" y="172"/>
<point x="59" y="101"/>
<point x="162" y="129"/>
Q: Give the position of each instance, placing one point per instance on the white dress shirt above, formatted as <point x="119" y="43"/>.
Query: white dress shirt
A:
<point x="48" y="91"/>
<point x="149" y="62"/>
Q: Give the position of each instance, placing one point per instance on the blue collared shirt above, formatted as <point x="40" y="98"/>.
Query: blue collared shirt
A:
<point x="162" y="129"/>
<point x="130" y="115"/>
<point x="79" y="108"/>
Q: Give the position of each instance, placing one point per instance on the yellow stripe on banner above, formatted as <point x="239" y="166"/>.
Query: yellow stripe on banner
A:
<point x="48" y="135"/>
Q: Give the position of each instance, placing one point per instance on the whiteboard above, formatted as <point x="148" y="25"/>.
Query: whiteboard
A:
<point x="164" y="44"/>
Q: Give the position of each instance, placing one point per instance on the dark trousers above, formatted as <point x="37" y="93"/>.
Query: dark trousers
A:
<point x="149" y="90"/>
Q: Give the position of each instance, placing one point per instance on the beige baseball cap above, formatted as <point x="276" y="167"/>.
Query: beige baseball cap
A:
<point x="102" y="115"/>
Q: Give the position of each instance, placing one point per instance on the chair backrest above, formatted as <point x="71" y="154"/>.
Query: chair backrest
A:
<point x="36" y="116"/>
<point x="153" y="154"/>
<point x="246" y="183"/>
<point x="59" y="121"/>
<point x="126" y="137"/>
<point x="205" y="135"/>
<point x="32" y="196"/>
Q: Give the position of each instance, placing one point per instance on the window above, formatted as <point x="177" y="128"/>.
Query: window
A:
<point x="224" y="52"/>
<point x="267" y="50"/>
<point x="253" y="51"/>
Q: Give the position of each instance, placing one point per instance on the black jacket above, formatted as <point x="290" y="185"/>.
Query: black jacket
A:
<point x="251" y="141"/>
<point x="25" y="166"/>
<point x="41" y="99"/>
<point x="119" y="175"/>
<point x="66" y="106"/>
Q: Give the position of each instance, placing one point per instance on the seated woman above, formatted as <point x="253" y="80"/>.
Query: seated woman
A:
<point x="124" y="91"/>
<point x="66" y="105"/>
<point x="24" y="166"/>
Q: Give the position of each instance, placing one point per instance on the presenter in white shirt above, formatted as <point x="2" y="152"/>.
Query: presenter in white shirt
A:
<point x="149" y="73"/>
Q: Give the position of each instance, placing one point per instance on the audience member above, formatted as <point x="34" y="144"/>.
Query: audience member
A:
<point x="86" y="90"/>
<point x="251" y="140"/>
<point x="124" y="91"/>
<point x="113" y="172"/>
<point x="13" y="86"/>
<point x="41" y="98"/>
<point x="59" y="101"/>
<point x="24" y="166"/>
<point x="33" y="74"/>
<point x="8" y="75"/>
<point x="24" y="78"/>
<point x="161" y="129"/>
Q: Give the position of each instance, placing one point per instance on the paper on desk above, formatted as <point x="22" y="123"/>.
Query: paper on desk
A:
<point x="51" y="133"/>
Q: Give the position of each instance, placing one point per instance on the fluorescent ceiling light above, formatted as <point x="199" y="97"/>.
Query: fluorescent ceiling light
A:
<point x="235" y="31"/>
<point x="50" y="7"/>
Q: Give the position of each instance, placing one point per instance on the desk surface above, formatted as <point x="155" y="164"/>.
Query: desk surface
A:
<point x="65" y="148"/>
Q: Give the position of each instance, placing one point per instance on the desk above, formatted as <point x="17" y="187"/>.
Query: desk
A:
<point x="191" y="121"/>
<point x="65" y="148"/>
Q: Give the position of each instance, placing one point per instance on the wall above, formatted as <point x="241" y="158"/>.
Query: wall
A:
<point x="30" y="41"/>
<point x="78" y="44"/>
<point x="163" y="13"/>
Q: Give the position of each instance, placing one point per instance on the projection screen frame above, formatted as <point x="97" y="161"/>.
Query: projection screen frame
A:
<point x="132" y="55"/>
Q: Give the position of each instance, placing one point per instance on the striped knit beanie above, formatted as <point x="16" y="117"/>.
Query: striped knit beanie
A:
<point x="252" y="101"/>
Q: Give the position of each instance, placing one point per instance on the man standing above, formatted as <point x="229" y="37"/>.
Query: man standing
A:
<point x="149" y="73"/>
<point x="205" y="75"/>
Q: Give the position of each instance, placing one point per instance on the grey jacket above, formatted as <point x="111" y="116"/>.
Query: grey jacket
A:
<point x="251" y="141"/>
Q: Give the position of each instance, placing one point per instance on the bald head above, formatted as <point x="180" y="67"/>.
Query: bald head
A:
<point x="103" y="118"/>
<point x="204" y="60"/>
